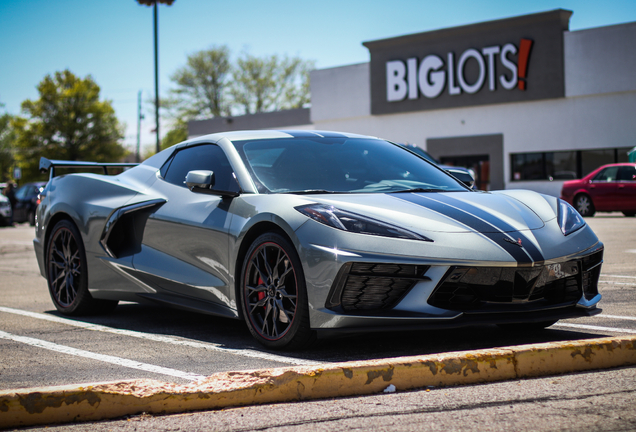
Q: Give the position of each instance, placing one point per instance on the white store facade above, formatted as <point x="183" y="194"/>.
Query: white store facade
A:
<point x="522" y="101"/>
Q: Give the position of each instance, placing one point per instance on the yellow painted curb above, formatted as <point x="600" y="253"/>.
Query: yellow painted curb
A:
<point x="27" y="407"/>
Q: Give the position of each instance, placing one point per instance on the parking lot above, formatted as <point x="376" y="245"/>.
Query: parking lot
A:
<point x="39" y="347"/>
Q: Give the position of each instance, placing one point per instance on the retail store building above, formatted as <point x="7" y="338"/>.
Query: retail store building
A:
<point x="523" y="101"/>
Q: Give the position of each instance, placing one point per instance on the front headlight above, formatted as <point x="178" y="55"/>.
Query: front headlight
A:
<point x="569" y="219"/>
<point x="352" y="222"/>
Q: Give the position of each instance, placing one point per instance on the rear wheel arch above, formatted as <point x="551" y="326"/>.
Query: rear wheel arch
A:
<point x="70" y="264"/>
<point x="51" y="224"/>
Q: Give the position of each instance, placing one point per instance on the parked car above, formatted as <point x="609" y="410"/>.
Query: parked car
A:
<point x="306" y="233"/>
<point x="462" y="174"/>
<point x="608" y="188"/>
<point x="26" y="202"/>
<point x="5" y="210"/>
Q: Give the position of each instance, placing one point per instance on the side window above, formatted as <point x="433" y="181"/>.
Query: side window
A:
<point x="21" y="192"/>
<point x="204" y="157"/>
<point x="607" y="175"/>
<point x="627" y="173"/>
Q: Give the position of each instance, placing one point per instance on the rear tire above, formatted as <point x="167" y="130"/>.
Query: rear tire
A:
<point x="583" y="204"/>
<point x="67" y="275"/>
<point x="31" y="218"/>
<point x="629" y="214"/>
<point x="274" y="294"/>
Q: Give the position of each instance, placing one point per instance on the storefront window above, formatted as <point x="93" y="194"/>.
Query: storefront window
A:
<point x="622" y="155"/>
<point x="592" y="159"/>
<point x="563" y="165"/>
<point x="528" y="166"/>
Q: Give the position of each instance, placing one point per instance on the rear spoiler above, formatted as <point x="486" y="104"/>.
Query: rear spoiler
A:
<point x="50" y="165"/>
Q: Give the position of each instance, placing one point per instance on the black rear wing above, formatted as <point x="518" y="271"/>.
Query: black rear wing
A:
<point x="50" y="165"/>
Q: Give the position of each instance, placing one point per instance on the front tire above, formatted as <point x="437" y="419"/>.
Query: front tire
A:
<point x="629" y="214"/>
<point x="583" y="204"/>
<point x="67" y="275"/>
<point x="274" y="295"/>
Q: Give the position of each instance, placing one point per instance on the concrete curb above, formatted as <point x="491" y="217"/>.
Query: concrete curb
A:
<point x="63" y="404"/>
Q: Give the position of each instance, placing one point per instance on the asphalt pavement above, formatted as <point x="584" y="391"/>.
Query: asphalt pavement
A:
<point x="41" y="348"/>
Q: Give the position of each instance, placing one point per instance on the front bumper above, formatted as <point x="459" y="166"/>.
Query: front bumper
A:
<point x="355" y="290"/>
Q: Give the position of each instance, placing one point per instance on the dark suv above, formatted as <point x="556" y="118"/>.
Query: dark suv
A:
<point x="26" y="202"/>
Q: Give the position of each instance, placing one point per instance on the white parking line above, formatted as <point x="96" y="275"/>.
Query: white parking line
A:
<point x="101" y="357"/>
<point x="618" y="283"/>
<point x="616" y="317"/>
<point x="159" y="338"/>
<point x="599" y="328"/>
<point x="618" y="276"/>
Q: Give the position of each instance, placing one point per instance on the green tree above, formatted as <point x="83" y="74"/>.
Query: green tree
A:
<point x="270" y="83"/>
<point x="177" y="134"/>
<point x="201" y="86"/>
<point x="67" y="122"/>
<point x="7" y="140"/>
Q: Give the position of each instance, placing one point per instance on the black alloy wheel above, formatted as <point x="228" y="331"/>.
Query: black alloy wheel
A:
<point x="583" y="204"/>
<point x="274" y="297"/>
<point x="67" y="273"/>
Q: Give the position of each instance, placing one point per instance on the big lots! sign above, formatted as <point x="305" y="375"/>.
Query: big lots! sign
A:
<point x="511" y="60"/>
<point x="432" y="76"/>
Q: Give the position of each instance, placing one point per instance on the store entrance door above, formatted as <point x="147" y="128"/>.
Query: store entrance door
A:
<point x="481" y="153"/>
<point x="480" y="165"/>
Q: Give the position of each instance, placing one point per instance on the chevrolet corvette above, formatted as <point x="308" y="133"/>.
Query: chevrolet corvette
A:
<point x="309" y="233"/>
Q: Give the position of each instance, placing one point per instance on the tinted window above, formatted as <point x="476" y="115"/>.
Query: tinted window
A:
<point x="627" y="173"/>
<point x="203" y="157"/>
<point x="339" y="165"/>
<point x="608" y="174"/>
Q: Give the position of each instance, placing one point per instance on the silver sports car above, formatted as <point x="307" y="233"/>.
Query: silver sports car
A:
<point x="306" y="233"/>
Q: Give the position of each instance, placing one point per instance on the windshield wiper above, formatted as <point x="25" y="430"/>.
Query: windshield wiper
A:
<point x="312" y="191"/>
<point x="418" y="190"/>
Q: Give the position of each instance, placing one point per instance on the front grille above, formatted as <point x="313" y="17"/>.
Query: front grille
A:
<point x="475" y="288"/>
<point x="373" y="286"/>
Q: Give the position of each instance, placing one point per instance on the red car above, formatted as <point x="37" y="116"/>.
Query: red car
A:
<point x="608" y="188"/>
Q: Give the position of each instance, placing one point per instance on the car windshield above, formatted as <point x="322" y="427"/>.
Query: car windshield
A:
<point x="339" y="165"/>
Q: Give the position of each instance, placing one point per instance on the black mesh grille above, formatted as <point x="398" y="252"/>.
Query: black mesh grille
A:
<point x="475" y="288"/>
<point x="374" y="286"/>
<point x="368" y="292"/>
<point x="388" y="269"/>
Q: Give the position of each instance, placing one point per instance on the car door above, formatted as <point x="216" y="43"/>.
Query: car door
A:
<point x="185" y="242"/>
<point x="627" y="188"/>
<point x="604" y="189"/>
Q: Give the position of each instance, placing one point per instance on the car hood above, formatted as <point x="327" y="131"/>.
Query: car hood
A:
<point x="448" y="212"/>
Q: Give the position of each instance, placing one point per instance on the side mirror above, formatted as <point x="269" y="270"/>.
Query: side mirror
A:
<point x="203" y="182"/>
<point x="199" y="180"/>
<point x="463" y="177"/>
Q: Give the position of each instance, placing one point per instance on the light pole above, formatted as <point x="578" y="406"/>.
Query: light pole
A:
<point x="154" y="3"/>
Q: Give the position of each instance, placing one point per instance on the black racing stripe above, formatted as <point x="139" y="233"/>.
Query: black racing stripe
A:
<point x="535" y="253"/>
<point x="521" y="255"/>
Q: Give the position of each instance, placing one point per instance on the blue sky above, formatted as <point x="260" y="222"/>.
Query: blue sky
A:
<point x="112" y="40"/>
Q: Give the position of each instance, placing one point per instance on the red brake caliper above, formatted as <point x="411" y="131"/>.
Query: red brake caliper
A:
<point x="261" y="294"/>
